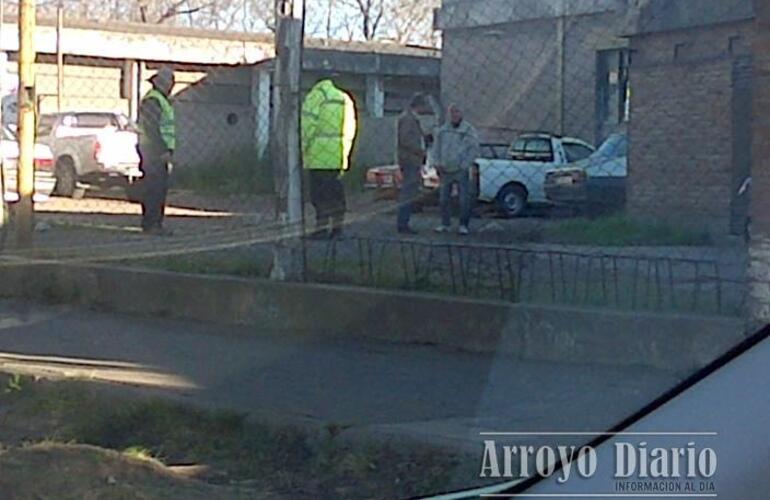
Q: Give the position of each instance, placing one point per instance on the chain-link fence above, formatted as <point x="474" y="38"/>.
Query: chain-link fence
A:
<point x="585" y="153"/>
<point x="593" y="152"/>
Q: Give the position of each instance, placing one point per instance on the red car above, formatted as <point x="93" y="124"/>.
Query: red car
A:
<point x="387" y="179"/>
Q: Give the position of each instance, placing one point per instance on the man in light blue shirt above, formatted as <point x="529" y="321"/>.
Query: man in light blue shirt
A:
<point x="457" y="147"/>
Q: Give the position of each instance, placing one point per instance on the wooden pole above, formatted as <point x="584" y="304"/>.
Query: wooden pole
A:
<point x="26" y="125"/>
<point x="3" y="69"/>
<point x="288" y="261"/>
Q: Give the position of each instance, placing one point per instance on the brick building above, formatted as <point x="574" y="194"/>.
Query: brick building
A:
<point x="550" y="65"/>
<point x="690" y="125"/>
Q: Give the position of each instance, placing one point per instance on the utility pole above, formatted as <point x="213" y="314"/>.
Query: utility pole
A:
<point x="59" y="55"/>
<point x="3" y="70"/>
<point x="26" y="125"/>
<point x="288" y="258"/>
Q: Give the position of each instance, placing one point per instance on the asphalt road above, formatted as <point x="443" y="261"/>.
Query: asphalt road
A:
<point x="423" y="392"/>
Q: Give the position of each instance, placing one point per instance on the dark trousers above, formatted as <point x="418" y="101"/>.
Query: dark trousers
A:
<point x="154" y="192"/>
<point x="462" y="180"/>
<point x="327" y="194"/>
<point x="408" y="194"/>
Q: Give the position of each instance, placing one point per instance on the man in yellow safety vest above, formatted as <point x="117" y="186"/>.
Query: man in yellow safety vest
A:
<point x="157" y="143"/>
<point x="328" y="132"/>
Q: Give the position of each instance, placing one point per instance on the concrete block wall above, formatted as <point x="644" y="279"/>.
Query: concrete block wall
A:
<point x="214" y="105"/>
<point x="91" y="88"/>
<point x="216" y="119"/>
<point x="504" y="79"/>
<point x="507" y="79"/>
<point x="584" y="37"/>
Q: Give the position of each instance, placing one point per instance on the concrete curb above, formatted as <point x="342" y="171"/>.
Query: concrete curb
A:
<point x="676" y="343"/>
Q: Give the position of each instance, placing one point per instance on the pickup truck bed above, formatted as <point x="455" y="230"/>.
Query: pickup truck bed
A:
<point x="515" y="182"/>
<point x="91" y="147"/>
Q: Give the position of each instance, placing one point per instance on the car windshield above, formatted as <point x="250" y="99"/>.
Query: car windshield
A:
<point x="615" y="146"/>
<point x="45" y="124"/>
<point x="383" y="250"/>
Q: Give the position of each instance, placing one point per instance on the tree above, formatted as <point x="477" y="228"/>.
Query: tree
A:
<point x="369" y="14"/>
<point x="246" y="15"/>
<point x="411" y="21"/>
<point x="402" y="21"/>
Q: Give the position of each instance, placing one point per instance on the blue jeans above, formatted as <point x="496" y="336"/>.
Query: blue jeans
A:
<point x="410" y="190"/>
<point x="462" y="179"/>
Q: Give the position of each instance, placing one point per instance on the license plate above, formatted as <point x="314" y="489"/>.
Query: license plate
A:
<point x="564" y="181"/>
<point x="386" y="180"/>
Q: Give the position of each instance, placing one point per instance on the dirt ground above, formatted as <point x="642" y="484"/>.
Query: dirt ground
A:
<point x="69" y="439"/>
<point x="107" y="218"/>
<point x="78" y="472"/>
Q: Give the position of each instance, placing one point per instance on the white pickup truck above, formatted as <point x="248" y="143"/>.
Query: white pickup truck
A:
<point x="92" y="148"/>
<point x="516" y="182"/>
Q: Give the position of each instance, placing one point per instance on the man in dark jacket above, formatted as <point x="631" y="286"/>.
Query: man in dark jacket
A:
<point x="157" y="142"/>
<point x="411" y="157"/>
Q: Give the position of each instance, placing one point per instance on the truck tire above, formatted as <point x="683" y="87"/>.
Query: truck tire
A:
<point x="66" y="178"/>
<point x="512" y="200"/>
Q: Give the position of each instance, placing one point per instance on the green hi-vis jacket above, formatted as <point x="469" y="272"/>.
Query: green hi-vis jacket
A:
<point x="166" y="121"/>
<point x="328" y="128"/>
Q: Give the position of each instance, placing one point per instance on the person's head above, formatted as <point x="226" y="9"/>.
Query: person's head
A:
<point x="164" y="80"/>
<point x="455" y="115"/>
<point x="419" y="104"/>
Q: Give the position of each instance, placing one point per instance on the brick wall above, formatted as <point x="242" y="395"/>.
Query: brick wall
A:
<point x="758" y="296"/>
<point x="683" y="163"/>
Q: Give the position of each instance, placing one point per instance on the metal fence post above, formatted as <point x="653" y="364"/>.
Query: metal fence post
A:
<point x="288" y="261"/>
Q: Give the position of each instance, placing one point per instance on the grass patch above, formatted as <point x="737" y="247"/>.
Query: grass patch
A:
<point x="233" y="449"/>
<point x="238" y="172"/>
<point x="247" y="263"/>
<point x="620" y="230"/>
<point x="575" y="284"/>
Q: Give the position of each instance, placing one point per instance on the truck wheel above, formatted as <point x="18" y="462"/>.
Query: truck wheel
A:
<point x="66" y="179"/>
<point x="512" y="200"/>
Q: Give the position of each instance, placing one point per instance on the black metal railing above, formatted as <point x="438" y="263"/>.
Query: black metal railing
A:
<point x="620" y="280"/>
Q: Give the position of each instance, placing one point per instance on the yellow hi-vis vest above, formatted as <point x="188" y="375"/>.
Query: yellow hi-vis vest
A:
<point x="328" y="128"/>
<point x="167" y="123"/>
